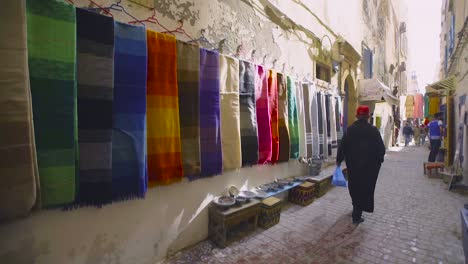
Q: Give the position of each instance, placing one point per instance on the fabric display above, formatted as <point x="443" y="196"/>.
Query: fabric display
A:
<point x="247" y="107"/>
<point x="95" y="74"/>
<point x="333" y="128"/>
<point x="230" y="112"/>
<point x="273" y="104"/>
<point x="434" y="105"/>
<point x="339" y="116"/>
<point x="210" y="136"/>
<point x="52" y="66"/>
<point x="321" y="117"/>
<point x="18" y="166"/>
<point x="263" y="116"/>
<point x="129" y="112"/>
<point x="293" y="119"/>
<point x="426" y="106"/>
<point x="409" y="106"/>
<point x="163" y="134"/>
<point x="328" y="114"/>
<point x="308" y="97"/>
<point x="188" y="75"/>
<point x="418" y="106"/>
<point x="301" y="119"/>
<point x="314" y="121"/>
<point x="283" y="122"/>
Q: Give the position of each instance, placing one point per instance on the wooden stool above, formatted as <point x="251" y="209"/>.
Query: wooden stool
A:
<point x="432" y="169"/>
<point x="270" y="211"/>
<point x="303" y="194"/>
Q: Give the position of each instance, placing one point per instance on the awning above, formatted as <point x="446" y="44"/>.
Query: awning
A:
<point x="442" y="86"/>
<point x="375" y="90"/>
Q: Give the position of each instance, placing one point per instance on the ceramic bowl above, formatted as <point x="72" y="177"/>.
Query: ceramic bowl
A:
<point x="233" y="191"/>
<point x="224" y="201"/>
<point x="240" y="200"/>
<point x="247" y="194"/>
<point x="260" y="193"/>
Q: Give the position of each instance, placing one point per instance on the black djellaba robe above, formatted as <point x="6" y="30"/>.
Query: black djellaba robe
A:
<point x="363" y="150"/>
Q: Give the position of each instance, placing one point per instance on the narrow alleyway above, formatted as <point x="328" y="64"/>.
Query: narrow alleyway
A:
<point x="416" y="221"/>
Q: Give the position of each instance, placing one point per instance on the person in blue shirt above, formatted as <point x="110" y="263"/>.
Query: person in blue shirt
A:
<point x="407" y="132"/>
<point x="436" y="127"/>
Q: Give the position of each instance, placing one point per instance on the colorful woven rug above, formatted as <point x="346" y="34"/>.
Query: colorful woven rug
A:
<point x="263" y="116"/>
<point x="248" y="119"/>
<point x="162" y="106"/>
<point x="230" y="112"/>
<point x="129" y="111"/>
<point x="210" y="130"/>
<point x="188" y="75"/>
<point x="52" y="70"/>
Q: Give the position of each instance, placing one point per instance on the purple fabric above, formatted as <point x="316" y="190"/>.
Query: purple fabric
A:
<point x="210" y="135"/>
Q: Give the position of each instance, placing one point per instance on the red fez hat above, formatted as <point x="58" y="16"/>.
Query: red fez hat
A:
<point x="362" y="110"/>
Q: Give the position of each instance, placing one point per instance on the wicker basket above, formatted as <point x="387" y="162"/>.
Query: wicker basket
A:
<point x="270" y="211"/>
<point x="303" y="194"/>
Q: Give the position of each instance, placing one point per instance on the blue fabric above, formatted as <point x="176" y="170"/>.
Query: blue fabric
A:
<point x="129" y="174"/>
<point x="338" y="178"/>
<point x="434" y="129"/>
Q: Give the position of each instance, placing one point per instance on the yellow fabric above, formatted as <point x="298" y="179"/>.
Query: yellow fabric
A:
<point x="434" y="103"/>
<point x="230" y="112"/>
<point x="409" y="105"/>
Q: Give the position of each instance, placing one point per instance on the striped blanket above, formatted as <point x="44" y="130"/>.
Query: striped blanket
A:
<point x="230" y="112"/>
<point x="328" y="113"/>
<point x="52" y="63"/>
<point x="308" y="97"/>
<point x="129" y="112"/>
<point x="301" y="119"/>
<point x="322" y="125"/>
<point x="293" y="123"/>
<point x="315" y="122"/>
<point x="263" y="116"/>
<point x="95" y="74"/>
<point x="339" y="118"/>
<point x="273" y="103"/>
<point x="210" y="136"/>
<point x="162" y="106"/>
<point x="18" y="167"/>
<point x="188" y="74"/>
<point x="283" y="122"/>
<point x="248" y="121"/>
<point x="334" y="142"/>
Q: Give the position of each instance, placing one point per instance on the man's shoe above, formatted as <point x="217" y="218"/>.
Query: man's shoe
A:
<point x="358" y="221"/>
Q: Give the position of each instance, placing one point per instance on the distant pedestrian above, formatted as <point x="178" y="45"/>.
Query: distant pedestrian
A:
<point x="416" y="134"/>
<point x="436" y="127"/>
<point x="363" y="150"/>
<point x="423" y="133"/>
<point x="407" y="132"/>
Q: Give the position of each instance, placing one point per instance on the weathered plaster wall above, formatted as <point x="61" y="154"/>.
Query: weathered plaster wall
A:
<point x="175" y="216"/>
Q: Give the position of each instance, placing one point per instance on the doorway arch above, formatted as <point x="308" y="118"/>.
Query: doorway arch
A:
<point x="350" y="102"/>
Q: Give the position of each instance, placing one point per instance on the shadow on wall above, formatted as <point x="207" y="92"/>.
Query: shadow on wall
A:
<point x="136" y="231"/>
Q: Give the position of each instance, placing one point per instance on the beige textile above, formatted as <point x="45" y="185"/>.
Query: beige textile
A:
<point x="230" y="112"/>
<point x="18" y="167"/>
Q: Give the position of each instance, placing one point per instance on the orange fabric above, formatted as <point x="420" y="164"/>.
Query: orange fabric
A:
<point x="163" y="129"/>
<point x="273" y="101"/>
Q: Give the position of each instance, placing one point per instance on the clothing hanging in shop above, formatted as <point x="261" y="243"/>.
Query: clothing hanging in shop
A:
<point x="188" y="75"/>
<point x="52" y="70"/>
<point x="273" y="104"/>
<point x="210" y="130"/>
<point x="283" y="126"/>
<point x="301" y="114"/>
<point x="163" y="134"/>
<point x="129" y="112"/>
<point x="293" y="122"/>
<point x="18" y="166"/>
<point x="247" y="108"/>
<point x="263" y="116"/>
<point x="230" y="112"/>
<point x="95" y="74"/>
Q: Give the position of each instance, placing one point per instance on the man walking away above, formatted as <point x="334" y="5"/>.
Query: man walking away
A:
<point x="416" y="133"/>
<point x="407" y="132"/>
<point x="363" y="150"/>
<point x="435" y="136"/>
<point x="422" y="131"/>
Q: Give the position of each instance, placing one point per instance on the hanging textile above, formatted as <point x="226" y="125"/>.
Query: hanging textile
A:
<point x="283" y="126"/>
<point x="95" y="74"/>
<point x="188" y="75"/>
<point x="328" y="121"/>
<point x="273" y="102"/>
<point x="418" y="106"/>
<point x="230" y="112"/>
<point x="162" y="106"/>
<point x="52" y="61"/>
<point x="292" y="118"/>
<point x="18" y="166"/>
<point x="333" y="128"/>
<point x="210" y="136"/>
<point x="308" y="97"/>
<point x="321" y="116"/>
<point x="263" y="116"/>
<point x="301" y="119"/>
<point x="434" y="105"/>
<point x="248" y="120"/>
<point x="426" y="106"/>
<point x="339" y="116"/>
<point x="409" y="106"/>
<point x="129" y="112"/>
<point x="314" y="121"/>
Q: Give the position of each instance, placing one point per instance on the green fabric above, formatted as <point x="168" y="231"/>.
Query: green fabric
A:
<point x="426" y="106"/>
<point x="52" y="66"/>
<point x="293" y="119"/>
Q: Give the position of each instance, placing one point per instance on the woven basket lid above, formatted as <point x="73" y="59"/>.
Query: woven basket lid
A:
<point x="271" y="201"/>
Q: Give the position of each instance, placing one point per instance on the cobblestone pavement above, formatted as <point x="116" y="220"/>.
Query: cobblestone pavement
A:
<point x="416" y="221"/>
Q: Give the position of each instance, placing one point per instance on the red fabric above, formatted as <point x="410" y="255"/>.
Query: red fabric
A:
<point x="362" y="110"/>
